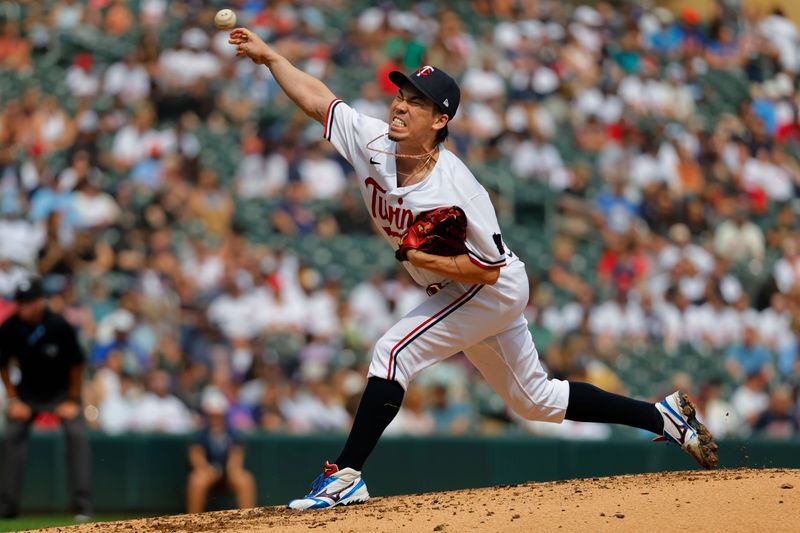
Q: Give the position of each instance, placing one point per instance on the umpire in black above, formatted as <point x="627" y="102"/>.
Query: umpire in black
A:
<point x="50" y="362"/>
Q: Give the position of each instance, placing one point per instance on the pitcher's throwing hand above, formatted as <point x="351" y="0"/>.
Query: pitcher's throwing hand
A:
<point x="251" y="45"/>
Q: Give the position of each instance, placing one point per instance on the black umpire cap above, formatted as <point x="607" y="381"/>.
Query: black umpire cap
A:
<point x="28" y="290"/>
<point x="435" y="84"/>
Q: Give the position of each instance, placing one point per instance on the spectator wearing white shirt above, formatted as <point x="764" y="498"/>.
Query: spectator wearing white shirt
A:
<point x="236" y="313"/>
<point x="53" y="127"/>
<point x="746" y="314"/>
<point x="11" y="275"/>
<point x="632" y="91"/>
<point x="402" y="294"/>
<point x="370" y="309"/>
<point x="482" y="83"/>
<point x="137" y="140"/>
<point x="128" y="80"/>
<point x="328" y="414"/>
<point x="314" y="408"/>
<point x="152" y="11"/>
<point x="774" y="323"/>
<point x="645" y="324"/>
<point x="20" y="241"/>
<point x="370" y="103"/>
<point x="739" y="239"/>
<point x="674" y="313"/>
<point x="564" y="320"/>
<point x="82" y="81"/>
<point x="680" y="103"/>
<point x="159" y="411"/>
<point x="81" y="168"/>
<point x="536" y="158"/>
<point x="107" y="393"/>
<point x="614" y="319"/>
<point x="585" y="29"/>
<point x="681" y="247"/>
<point x="203" y="265"/>
<point x="646" y="169"/>
<point x="783" y="34"/>
<point x="600" y="102"/>
<point x="116" y="409"/>
<point x="287" y="308"/>
<point x="67" y="14"/>
<point x="189" y="62"/>
<point x="260" y="175"/>
<point x="485" y="119"/>
<point x="91" y="207"/>
<point x="323" y="176"/>
<point x="321" y="305"/>
<point x="762" y="173"/>
<point x="787" y="174"/>
<point x="787" y="270"/>
<point x="713" y="323"/>
<point x="717" y="414"/>
<point x="750" y="399"/>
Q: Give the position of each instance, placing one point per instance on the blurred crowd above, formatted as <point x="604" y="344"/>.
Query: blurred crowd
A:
<point x="133" y="144"/>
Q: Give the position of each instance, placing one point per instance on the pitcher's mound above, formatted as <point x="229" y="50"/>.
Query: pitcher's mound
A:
<point x="723" y="500"/>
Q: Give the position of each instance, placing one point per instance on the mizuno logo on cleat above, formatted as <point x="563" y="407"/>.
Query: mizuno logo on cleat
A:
<point x="336" y="496"/>
<point x="681" y="430"/>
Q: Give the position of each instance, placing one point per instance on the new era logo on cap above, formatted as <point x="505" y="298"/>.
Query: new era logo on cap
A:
<point x="446" y="102"/>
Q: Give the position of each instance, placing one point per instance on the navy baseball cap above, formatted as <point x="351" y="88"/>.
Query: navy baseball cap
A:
<point x="28" y="290"/>
<point x="435" y="84"/>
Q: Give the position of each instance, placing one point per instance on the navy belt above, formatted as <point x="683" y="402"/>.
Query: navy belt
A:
<point x="433" y="288"/>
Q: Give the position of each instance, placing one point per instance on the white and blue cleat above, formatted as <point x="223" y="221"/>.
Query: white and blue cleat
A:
<point x="681" y="427"/>
<point x="333" y="487"/>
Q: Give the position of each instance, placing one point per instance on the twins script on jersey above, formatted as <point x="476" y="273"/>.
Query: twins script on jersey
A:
<point x="394" y="208"/>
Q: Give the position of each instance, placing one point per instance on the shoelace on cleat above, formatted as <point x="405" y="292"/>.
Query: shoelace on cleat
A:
<point x="319" y="483"/>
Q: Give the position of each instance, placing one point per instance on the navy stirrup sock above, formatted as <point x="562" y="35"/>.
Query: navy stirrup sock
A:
<point x="379" y="404"/>
<point x="588" y="403"/>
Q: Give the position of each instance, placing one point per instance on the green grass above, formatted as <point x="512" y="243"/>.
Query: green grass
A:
<point x="26" y="522"/>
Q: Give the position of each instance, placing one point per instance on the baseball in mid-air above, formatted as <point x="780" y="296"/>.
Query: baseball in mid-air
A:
<point x="225" y="19"/>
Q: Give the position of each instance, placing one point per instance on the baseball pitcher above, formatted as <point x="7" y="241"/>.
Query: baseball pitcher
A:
<point x="430" y="208"/>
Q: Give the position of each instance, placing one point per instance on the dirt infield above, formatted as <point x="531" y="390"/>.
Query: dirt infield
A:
<point x="725" y="500"/>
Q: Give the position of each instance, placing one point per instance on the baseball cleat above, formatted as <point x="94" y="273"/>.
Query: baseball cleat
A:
<point x="333" y="487"/>
<point x="681" y="427"/>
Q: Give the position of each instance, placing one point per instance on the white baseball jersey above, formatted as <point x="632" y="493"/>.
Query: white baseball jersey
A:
<point x="394" y="208"/>
<point x="485" y="322"/>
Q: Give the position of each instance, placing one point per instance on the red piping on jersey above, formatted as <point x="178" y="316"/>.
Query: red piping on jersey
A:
<point x="477" y="262"/>
<point x="326" y="133"/>
<point x="403" y="340"/>
<point x="481" y="261"/>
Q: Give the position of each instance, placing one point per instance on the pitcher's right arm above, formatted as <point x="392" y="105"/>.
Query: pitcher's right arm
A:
<point x="309" y="93"/>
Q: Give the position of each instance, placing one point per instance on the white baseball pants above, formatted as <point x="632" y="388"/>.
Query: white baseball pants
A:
<point x="487" y="324"/>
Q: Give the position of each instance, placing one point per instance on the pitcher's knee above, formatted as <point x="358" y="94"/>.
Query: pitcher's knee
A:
<point x="384" y="363"/>
<point x="383" y="348"/>
<point x="546" y="403"/>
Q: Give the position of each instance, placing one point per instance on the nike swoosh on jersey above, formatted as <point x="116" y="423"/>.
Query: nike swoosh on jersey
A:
<point x="373" y="162"/>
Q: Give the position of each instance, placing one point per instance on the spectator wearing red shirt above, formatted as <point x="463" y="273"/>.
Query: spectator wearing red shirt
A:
<point x="622" y="266"/>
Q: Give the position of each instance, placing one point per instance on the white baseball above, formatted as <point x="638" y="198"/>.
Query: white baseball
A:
<point x="225" y="19"/>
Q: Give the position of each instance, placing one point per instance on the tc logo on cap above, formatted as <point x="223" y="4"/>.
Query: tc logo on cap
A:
<point x="424" y="71"/>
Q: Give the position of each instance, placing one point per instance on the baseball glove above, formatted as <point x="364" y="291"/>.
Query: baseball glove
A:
<point x="440" y="231"/>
